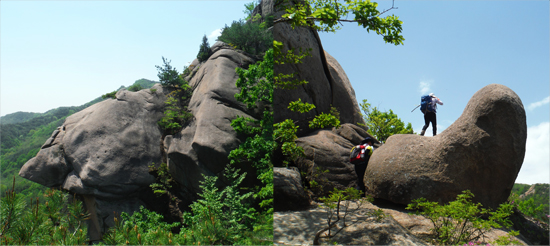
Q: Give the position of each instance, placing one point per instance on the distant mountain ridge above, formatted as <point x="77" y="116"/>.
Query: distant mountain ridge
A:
<point x="20" y="116"/>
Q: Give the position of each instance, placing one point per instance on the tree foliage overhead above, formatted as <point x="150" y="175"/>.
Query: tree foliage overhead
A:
<point x="327" y="16"/>
<point x="383" y="124"/>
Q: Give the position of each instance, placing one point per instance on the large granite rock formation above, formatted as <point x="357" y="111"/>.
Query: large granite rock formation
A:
<point x="103" y="152"/>
<point x="203" y="146"/>
<point x="326" y="159"/>
<point x="482" y="152"/>
<point x="105" y="149"/>
<point x="328" y="84"/>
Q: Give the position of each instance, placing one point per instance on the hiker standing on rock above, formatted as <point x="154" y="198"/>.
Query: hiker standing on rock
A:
<point x="428" y="106"/>
<point x="360" y="156"/>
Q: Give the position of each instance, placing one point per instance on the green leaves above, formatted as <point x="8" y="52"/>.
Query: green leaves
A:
<point x="204" y="50"/>
<point x="299" y="106"/>
<point x="175" y="116"/>
<point x="143" y="227"/>
<point x="326" y="15"/>
<point x="324" y="120"/>
<point x="168" y="75"/>
<point x="382" y="125"/>
<point x="256" y="82"/>
<point x="55" y="221"/>
<point x="250" y="37"/>
<point x="256" y="90"/>
<point x="285" y="135"/>
<point x="461" y="221"/>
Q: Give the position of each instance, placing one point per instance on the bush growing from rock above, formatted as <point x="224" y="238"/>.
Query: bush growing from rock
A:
<point x="251" y="37"/>
<point x="461" y="221"/>
<point x="111" y="94"/>
<point x="168" y="75"/>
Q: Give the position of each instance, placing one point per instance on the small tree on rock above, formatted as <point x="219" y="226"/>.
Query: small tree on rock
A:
<point x="204" y="50"/>
<point x="168" y="75"/>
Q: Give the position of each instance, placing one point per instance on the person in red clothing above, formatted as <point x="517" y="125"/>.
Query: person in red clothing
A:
<point x="360" y="168"/>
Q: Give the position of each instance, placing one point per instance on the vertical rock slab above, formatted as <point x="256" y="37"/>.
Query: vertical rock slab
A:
<point x="202" y="147"/>
<point x="328" y="85"/>
<point x="482" y="151"/>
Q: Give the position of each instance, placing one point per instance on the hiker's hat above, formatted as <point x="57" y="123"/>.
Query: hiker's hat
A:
<point x="432" y="95"/>
<point x="367" y="139"/>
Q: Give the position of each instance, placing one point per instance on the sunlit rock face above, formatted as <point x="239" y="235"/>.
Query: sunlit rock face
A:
<point x="482" y="152"/>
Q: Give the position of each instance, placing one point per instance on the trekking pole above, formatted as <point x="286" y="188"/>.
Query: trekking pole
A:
<point x="415" y="108"/>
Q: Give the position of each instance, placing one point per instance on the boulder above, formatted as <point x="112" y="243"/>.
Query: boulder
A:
<point x="326" y="157"/>
<point x="482" y="151"/>
<point x="105" y="149"/>
<point x="202" y="146"/>
<point x="366" y="226"/>
<point x="362" y="227"/>
<point x="288" y="193"/>
<point x="328" y="85"/>
<point x="103" y="152"/>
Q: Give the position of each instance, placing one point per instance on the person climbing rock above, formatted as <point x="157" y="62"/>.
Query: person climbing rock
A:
<point x="361" y="164"/>
<point x="429" y="111"/>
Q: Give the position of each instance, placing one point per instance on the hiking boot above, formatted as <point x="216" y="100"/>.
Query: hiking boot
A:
<point x="422" y="132"/>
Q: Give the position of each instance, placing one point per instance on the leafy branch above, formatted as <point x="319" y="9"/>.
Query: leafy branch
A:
<point x="330" y="13"/>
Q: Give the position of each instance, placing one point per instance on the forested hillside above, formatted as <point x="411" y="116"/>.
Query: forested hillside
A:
<point x="533" y="200"/>
<point x="22" y="134"/>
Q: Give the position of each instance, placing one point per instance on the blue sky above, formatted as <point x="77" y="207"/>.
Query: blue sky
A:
<point x="453" y="49"/>
<point x="67" y="53"/>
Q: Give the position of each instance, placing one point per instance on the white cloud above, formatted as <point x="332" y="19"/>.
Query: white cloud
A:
<point x="424" y="87"/>
<point x="214" y="35"/>
<point x="536" y="164"/>
<point x="542" y="102"/>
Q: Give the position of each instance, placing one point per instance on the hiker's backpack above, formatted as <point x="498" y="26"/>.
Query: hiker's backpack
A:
<point x="359" y="154"/>
<point x="426" y="104"/>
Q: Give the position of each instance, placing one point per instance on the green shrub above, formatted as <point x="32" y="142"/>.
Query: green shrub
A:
<point x="136" y="87"/>
<point x="382" y="125"/>
<point x="109" y="95"/>
<point x="461" y="221"/>
<point x="168" y="75"/>
<point x="535" y="205"/>
<point x="256" y="88"/>
<point x="141" y="228"/>
<point x="251" y="37"/>
<point x="175" y="115"/>
<point x="220" y="217"/>
<point x="337" y="203"/>
<point x="54" y="221"/>
<point x="204" y="50"/>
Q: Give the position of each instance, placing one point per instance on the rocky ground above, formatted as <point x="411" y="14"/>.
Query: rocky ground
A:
<point x="364" y="226"/>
